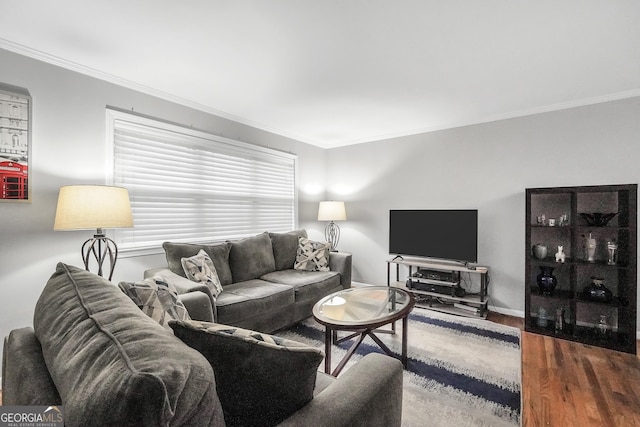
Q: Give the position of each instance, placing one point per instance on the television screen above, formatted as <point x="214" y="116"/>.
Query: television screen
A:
<point x="442" y="234"/>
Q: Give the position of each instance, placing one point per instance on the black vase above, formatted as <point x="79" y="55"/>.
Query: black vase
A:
<point x="597" y="291"/>
<point x="546" y="280"/>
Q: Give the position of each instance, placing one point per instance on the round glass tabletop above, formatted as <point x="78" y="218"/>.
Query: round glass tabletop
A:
<point x="357" y="307"/>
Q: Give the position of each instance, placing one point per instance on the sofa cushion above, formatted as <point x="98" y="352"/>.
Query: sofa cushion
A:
<point x="199" y="268"/>
<point x="285" y="248"/>
<point x="27" y="382"/>
<point x="252" y="298"/>
<point x="219" y="254"/>
<point x="307" y="285"/>
<point x="157" y="298"/>
<point x="311" y="255"/>
<point x="109" y="361"/>
<point x="261" y="378"/>
<point x="252" y="257"/>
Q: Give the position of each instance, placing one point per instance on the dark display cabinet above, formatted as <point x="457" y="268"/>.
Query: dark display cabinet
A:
<point x="587" y="291"/>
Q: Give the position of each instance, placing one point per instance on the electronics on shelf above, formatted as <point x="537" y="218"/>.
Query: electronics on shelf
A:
<point x="454" y="290"/>
<point x="443" y="276"/>
<point x="436" y="285"/>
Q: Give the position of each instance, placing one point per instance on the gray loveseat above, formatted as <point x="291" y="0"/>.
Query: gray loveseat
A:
<point x="94" y="352"/>
<point x="261" y="289"/>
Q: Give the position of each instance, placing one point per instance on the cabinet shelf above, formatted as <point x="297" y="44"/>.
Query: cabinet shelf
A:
<point x="551" y="262"/>
<point x="615" y="302"/>
<point x="582" y="314"/>
<point x="567" y="333"/>
<point x="557" y="294"/>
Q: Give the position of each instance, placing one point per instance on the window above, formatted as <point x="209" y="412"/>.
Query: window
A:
<point x="190" y="186"/>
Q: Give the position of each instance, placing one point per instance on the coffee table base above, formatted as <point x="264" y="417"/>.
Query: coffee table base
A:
<point x="330" y="336"/>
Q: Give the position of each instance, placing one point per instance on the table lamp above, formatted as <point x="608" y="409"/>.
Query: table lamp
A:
<point x="86" y="207"/>
<point x="332" y="211"/>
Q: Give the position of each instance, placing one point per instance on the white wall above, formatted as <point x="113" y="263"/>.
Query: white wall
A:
<point x="485" y="167"/>
<point x="68" y="147"/>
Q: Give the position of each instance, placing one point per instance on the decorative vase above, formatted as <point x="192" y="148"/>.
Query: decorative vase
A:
<point x="539" y="251"/>
<point x="603" y="325"/>
<point x="597" y="291"/>
<point x="589" y="248"/>
<point x="612" y="248"/>
<point x="546" y="280"/>
<point x="560" y="322"/>
<point x="542" y="319"/>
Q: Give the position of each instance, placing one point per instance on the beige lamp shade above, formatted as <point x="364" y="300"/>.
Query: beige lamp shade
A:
<point x="331" y="211"/>
<point x="85" y="207"/>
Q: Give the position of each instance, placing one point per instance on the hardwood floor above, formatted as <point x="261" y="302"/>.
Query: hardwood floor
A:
<point x="571" y="384"/>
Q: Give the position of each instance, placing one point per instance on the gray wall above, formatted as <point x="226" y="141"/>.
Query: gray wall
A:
<point x="485" y="167"/>
<point x="68" y="147"/>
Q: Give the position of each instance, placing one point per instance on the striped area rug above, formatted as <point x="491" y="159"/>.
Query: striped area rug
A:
<point x="461" y="371"/>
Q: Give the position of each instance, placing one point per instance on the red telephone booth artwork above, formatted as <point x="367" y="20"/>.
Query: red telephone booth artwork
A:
<point x="15" y="143"/>
<point x="14" y="180"/>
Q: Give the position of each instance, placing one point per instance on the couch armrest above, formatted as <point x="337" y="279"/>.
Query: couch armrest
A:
<point x="198" y="305"/>
<point x="185" y="286"/>
<point x="25" y="378"/>
<point x="368" y="394"/>
<point x="341" y="262"/>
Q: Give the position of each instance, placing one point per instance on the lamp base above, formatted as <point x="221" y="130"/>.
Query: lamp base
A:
<point x="100" y="247"/>
<point x="332" y="235"/>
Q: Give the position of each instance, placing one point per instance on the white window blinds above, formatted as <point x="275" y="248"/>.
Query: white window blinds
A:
<point x="190" y="186"/>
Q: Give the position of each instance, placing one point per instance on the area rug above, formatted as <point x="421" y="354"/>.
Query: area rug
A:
<point x="461" y="371"/>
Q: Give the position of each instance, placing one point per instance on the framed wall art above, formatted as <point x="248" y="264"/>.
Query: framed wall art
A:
<point x="15" y="143"/>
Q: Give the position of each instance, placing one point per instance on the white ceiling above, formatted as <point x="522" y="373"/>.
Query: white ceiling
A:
<point x="338" y="72"/>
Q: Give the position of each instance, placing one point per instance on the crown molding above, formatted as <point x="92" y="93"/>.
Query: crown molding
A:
<point x="54" y="60"/>
<point x="506" y="116"/>
<point x="100" y="75"/>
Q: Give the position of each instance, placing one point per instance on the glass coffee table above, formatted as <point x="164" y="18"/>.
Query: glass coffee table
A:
<point x="362" y="311"/>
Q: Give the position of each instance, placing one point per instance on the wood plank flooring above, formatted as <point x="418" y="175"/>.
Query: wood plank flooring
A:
<point x="571" y="384"/>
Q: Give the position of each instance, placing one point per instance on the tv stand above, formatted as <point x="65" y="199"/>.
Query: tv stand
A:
<point x="441" y="292"/>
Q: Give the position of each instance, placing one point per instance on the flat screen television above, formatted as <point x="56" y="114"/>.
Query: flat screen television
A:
<point x="441" y="234"/>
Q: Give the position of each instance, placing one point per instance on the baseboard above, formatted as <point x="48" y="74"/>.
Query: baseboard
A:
<point x="359" y="284"/>
<point x="507" y="311"/>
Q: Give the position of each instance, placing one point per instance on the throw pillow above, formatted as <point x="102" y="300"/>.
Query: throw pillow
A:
<point x="261" y="379"/>
<point x="218" y="252"/>
<point x="199" y="268"/>
<point x="285" y="247"/>
<point x="251" y="258"/>
<point x="157" y="298"/>
<point x="312" y="256"/>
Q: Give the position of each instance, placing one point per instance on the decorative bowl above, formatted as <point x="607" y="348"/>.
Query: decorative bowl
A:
<point x="598" y="219"/>
<point x="539" y="251"/>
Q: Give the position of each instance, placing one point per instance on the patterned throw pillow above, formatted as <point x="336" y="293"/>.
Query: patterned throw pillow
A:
<point x="272" y="376"/>
<point x="199" y="268"/>
<point x="157" y="298"/>
<point x="312" y="256"/>
<point x="249" y="336"/>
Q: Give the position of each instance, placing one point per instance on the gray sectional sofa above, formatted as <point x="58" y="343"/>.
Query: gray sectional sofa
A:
<point x="261" y="289"/>
<point x="93" y="351"/>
